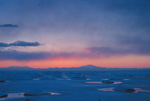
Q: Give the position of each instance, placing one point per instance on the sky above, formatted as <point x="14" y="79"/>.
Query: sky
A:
<point x="72" y="33"/>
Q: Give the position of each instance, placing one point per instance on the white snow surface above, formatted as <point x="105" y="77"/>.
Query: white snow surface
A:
<point x="75" y="85"/>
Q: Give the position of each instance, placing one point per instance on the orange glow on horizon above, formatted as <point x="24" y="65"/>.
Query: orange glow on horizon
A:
<point x="130" y="61"/>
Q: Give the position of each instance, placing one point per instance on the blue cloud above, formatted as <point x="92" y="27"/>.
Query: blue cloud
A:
<point x="109" y="51"/>
<point x="16" y="55"/>
<point x="19" y="43"/>
<point x="26" y="56"/>
<point x="8" y="25"/>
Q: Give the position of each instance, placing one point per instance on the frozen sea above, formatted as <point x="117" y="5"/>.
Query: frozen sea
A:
<point x="102" y="85"/>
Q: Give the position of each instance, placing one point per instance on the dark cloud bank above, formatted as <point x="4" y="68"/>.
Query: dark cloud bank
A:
<point x="109" y="51"/>
<point x="26" y="56"/>
<point x="19" y="43"/>
<point x="8" y="25"/>
<point x="95" y="52"/>
<point x="20" y="56"/>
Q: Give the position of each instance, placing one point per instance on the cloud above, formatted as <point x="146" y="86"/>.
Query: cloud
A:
<point x="15" y="55"/>
<point x="8" y="25"/>
<point x="19" y="43"/>
<point x="89" y="22"/>
<point x="26" y="56"/>
<point x="93" y="52"/>
<point x="136" y="44"/>
<point x="138" y="9"/>
<point x="23" y="43"/>
<point x="108" y="51"/>
<point x="4" y="44"/>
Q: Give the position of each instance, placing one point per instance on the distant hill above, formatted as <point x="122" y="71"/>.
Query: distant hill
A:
<point x="87" y="67"/>
<point x="90" y="67"/>
<point x="82" y="68"/>
<point x="17" y="68"/>
<point x="26" y="68"/>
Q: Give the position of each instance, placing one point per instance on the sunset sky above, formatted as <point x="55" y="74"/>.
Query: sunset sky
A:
<point x="72" y="33"/>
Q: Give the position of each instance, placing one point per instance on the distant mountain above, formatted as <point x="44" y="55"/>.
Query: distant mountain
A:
<point x="82" y="68"/>
<point x="17" y="68"/>
<point x="90" y="67"/>
<point x="87" y="67"/>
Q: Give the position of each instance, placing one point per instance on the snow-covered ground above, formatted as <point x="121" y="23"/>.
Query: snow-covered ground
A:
<point x="125" y="85"/>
